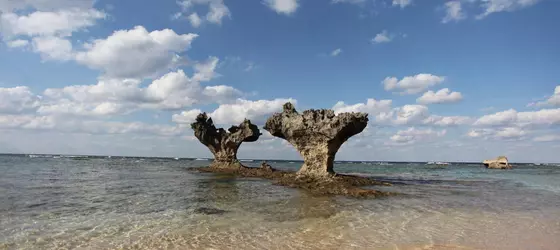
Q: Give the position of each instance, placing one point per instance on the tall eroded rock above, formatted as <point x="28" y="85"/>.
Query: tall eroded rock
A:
<point x="222" y="144"/>
<point x="316" y="134"/>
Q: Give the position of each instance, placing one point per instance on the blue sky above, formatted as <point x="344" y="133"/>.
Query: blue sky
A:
<point x="453" y="80"/>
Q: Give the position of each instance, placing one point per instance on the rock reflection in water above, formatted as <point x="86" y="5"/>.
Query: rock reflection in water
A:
<point x="216" y="194"/>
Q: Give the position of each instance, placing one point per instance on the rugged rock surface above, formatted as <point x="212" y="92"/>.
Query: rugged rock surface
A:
<point x="224" y="144"/>
<point x="499" y="163"/>
<point x="346" y="185"/>
<point x="316" y="134"/>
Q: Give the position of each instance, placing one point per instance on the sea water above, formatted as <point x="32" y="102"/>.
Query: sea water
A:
<point x="57" y="202"/>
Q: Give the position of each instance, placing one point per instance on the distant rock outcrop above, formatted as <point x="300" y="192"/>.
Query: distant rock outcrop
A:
<point x="316" y="134"/>
<point x="222" y="144"/>
<point x="499" y="163"/>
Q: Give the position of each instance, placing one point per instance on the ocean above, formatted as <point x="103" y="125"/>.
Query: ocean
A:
<point x="54" y="202"/>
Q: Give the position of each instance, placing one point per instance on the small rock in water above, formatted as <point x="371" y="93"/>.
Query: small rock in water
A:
<point x="209" y="211"/>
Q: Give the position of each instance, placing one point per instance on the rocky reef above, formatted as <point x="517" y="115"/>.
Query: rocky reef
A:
<point x="316" y="134"/>
<point x="224" y="144"/>
<point x="499" y="163"/>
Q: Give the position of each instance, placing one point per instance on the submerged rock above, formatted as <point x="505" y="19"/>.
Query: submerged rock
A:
<point x="265" y="166"/>
<point x="224" y="144"/>
<point x="499" y="163"/>
<point x="316" y="134"/>
<point x="210" y="211"/>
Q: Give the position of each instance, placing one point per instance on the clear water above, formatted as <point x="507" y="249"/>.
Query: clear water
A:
<point x="135" y="203"/>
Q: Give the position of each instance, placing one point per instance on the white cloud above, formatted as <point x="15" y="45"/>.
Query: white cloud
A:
<point x="497" y="119"/>
<point x="174" y="90"/>
<point x="453" y="12"/>
<point x="383" y="37"/>
<point x="543" y="117"/>
<point x="495" y="6"/>
<point x="510" y="133"/>
<point x="135" y="53"/>
<point x="17" y="99"/>
<point x="235" y="113"/>
<point x="372" y="107"/>
<point x="547" y="138"/>
<point x="336" y="52"/>
<point x="206" y="71"/>
<point x="413" y="135"/>
<point x="19" y="43"/>
<point x="507" y="133"/>
<point x="407" y="114"/>
<point x="33" y="122"/>
<point x="412" y="84"/>
<point x="195" y="20"/>
<point x="381" y="112"/>
<point x="553" y="100"/>
<point x="439" y="97"/>
<point x="286" y="7"/>
<point x="447" y="121"/>
<point x="53" y="48"/>
<point x="402" y="3"/>
<point x="60" y="23"/>
<point x="217" y="11"/>
<point x="221" y="93"/>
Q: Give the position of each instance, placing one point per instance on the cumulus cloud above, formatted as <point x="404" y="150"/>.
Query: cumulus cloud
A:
<point x="53" y="48"/>
<point x="553" y="100"/>
<point x="402" y="3"/>
<point x="286" y="7"/>
<point x="19" y="43"/>
<point x="407" y="114"/>
<point x="34" y="122"/>
<point x="412" y="84"/>
<point x="507" y="133"/>
<point x="453" y="12"/>
<point x="235" y="113"/>
<point x="135" y="53"/>
<point x="173" y="91"/>
<point x="511" y="117"/>
<point x="547" y="138"/>
<point x="382" y="112"/>
<point x="441" y="96"/>
<point x="372" y="107"/>
<point x="383" y="37"/>
<point x="195" y="20"/>
<point x="59" y="23"/>
<point x="495" y="6"/>
<point x="413" y="135"/>
<point x="447" y="121"/>
<point x="217" y="11"/>
<point x="17" y="100"/>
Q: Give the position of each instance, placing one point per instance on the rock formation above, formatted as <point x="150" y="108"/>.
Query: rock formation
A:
<point x="222" y="144"/>
<point x="499" y="163"/>
<point x="316" y="134"/>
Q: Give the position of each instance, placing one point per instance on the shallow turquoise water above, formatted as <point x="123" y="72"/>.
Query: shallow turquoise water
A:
<point x="141" y="203"/>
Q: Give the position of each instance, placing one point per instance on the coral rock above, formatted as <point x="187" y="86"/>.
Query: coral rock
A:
<point x="316" y="134"/>
<point x="224" y="144"/>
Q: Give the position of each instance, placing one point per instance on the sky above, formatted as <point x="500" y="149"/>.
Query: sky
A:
<point x="459" y="80"/>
